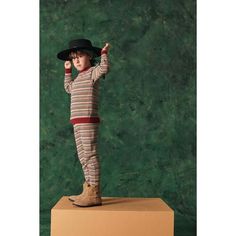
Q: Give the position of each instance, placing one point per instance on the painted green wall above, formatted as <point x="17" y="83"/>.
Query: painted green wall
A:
<point x="147" y="136"/>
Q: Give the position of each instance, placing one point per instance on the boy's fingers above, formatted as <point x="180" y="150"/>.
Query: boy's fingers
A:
<point x="67" y="64"/>
<point x="106" y="46"/>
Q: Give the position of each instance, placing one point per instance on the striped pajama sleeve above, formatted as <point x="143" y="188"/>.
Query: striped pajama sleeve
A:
<point x="68" y="81"/>
<point x="101" y="69"/>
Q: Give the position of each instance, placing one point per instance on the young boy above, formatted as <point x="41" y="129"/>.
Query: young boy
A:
<point x="84" y="112"/>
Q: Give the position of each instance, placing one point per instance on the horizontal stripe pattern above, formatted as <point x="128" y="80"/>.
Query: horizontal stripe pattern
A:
<point x="86" y="144"/>
<point x="84" y="90"/>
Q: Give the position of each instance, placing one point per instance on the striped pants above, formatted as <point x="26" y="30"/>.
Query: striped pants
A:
<point x="86" y="144"/>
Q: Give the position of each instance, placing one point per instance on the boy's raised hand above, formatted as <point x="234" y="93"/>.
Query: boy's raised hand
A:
<point x="106" y="47"/>
<point x="67" y="65"/>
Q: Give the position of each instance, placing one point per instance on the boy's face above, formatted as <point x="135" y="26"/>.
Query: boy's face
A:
<point x="80" y="60"/>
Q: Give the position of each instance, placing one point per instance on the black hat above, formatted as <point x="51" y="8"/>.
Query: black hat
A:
<point x="79" y="44"/>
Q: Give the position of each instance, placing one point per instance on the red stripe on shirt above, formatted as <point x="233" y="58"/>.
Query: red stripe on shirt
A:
<point x="85" y="120"/>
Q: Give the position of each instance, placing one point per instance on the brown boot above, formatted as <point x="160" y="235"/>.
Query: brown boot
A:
<point x="92" y="197"/>
<point x="74" y="197"/>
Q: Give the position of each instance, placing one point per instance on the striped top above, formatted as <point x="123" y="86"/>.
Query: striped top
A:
<point x="84" y="90"/>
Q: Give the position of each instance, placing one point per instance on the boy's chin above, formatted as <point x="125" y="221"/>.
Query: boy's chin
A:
<point x="80" y="69"/>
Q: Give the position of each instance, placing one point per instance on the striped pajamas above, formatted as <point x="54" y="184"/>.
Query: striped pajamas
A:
<point x="86" y="143"/>
<point x="84" y="90"/>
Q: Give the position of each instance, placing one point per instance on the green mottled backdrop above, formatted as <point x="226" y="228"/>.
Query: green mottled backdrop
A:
<point x="147" y="139"/>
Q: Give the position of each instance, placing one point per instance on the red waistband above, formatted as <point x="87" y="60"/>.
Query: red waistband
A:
<point x="85" y="120"/>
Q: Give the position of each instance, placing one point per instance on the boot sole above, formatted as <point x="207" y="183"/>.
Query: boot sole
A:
<point x="98" y="204"/>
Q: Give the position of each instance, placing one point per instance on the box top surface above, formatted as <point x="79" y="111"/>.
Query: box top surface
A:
<point x="117" y="204"/>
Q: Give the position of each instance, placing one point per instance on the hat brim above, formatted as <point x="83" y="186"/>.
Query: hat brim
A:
<point x="64" y="55"/>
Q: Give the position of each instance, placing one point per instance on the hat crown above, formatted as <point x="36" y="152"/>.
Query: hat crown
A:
<point x="76" y="45"/>
<point x="83" y="43"/>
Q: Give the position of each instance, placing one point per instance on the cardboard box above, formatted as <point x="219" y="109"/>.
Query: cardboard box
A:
<point x="116" y="217"/>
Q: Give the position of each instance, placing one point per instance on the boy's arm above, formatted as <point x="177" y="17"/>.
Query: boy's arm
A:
<point x="68" y="81"/>
<point x="103" y="68"/>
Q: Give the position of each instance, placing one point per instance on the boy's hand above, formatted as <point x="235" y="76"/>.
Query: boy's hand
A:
<point x="106" y="47"/>
<point x="67" y="65"/>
